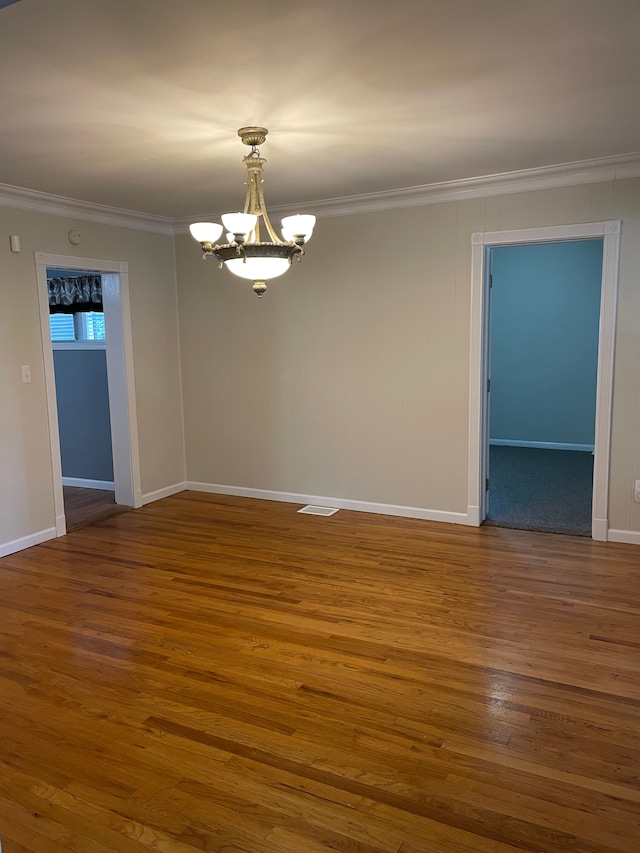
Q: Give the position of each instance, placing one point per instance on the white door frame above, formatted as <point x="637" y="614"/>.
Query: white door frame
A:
<point x="481" y="243"/>
<point x="119" y="354"/>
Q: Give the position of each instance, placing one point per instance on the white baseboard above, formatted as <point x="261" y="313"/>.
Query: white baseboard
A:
<point x="341" y="503"/>
<point x="599" y="529"/>
<point x="631" y="537"/>
<point x="543" y="445"/>
<point x="80" y="483"/>
<point x="163" y="493"/>
<point x="7" y="548"/>
<point x="473" y="516"/>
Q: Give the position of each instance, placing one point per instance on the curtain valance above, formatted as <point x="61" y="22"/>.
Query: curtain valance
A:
<point x="75" y="294"/>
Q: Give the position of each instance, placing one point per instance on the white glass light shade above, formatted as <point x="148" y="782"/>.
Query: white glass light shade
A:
<point x="205" y="232"/>
<point x="300" y="225"/>
<point x="239" y="223"/>
<point x="258" y="269"/>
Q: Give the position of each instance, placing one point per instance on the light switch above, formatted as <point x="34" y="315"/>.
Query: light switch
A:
<point x="14" y="241"/>
<point x="26" y="373"/>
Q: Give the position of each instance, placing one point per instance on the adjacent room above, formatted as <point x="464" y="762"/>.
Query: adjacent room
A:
<point x="78" y="342"/>
<point x="545" y="315"/>
<point x="319" y="458"/>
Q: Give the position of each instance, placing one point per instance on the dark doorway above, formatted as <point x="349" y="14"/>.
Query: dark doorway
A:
<point x="544" y="328"/>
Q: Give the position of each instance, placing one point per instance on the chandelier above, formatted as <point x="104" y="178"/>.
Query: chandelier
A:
<point x="245" y="253"/>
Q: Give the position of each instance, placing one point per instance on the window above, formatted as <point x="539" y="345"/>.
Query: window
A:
<point x="84" y="326"/>
<point x="91" y="326"/>
<point x="62" y="328"/>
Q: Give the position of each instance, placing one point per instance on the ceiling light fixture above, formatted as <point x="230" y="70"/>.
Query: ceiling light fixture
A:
<point x="245" y="254"/>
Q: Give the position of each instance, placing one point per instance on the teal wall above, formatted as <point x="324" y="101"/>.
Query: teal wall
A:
<point x="545" y="309"/>
<point x="83" y="414"/>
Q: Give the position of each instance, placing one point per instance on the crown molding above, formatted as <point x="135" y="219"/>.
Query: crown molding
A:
<point x="86" y="211"/>
<point x="543" y="178"/>
<point x="601" y="169"/>
<point x="526" y="180"/>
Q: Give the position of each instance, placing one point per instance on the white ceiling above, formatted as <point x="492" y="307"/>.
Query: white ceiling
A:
<point x="136" y="103"/>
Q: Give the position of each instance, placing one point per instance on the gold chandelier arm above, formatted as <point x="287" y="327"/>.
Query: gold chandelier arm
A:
<point x="254" y="200"/>
<point x="249" y="206"/>
<point x="272" y="233"/>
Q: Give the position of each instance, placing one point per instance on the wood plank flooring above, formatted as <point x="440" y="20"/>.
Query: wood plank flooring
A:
<point x="84" y="506"/>
<point x="218" y="674"/>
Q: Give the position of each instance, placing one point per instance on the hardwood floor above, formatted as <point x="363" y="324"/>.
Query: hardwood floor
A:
<point x="84" y="506"/>
<point x="219" y="674"/>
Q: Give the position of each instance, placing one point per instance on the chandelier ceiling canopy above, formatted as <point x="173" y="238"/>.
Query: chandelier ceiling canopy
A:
<point x="248" y="253"/>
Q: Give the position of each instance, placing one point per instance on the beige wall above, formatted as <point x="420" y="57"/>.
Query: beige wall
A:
<point x="349" y="379"/>
<point x="26" y="494"/>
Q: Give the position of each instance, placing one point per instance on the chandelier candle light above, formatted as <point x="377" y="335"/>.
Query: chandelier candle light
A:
<point x="245" y="254"/>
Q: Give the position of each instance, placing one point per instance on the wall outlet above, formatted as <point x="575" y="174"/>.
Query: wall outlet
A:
<point x="636" y="493"/>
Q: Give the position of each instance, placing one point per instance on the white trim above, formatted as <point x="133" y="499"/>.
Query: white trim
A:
<point x="478" y="403"/>
<point x="473" y="515"/>
<point x="631" y="537"/>
<point x="547" y="177"/>
<point x="81" y="483"/>
<point x="52" y="403"/>
<point x="119" y="354"/>
<point x="121" y="386"/>
<point x="71" y="262"/>
<point x="7" y="548"/>
<point x="609" y="232"/>
<point x="163" y="493"/>
<point x="78" y="345"/>
<point x="592" y="171"/>
<point x="604" y="387"/>
<point x="86" y="211"/>
<point x="340" y="503"/>
<point x="546" y="234"/>
<point x="542" y="445"/>
<point x="599" y="529"/>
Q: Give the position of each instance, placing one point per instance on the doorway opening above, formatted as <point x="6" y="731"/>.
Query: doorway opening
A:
<point x="544" y="311"/>
<point x="78" y="338"/>
<point x="483" y="244"/>
<point x="94" y="392"/>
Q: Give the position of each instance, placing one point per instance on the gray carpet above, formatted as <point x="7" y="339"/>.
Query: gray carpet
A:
<point x="545" y="490"/>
